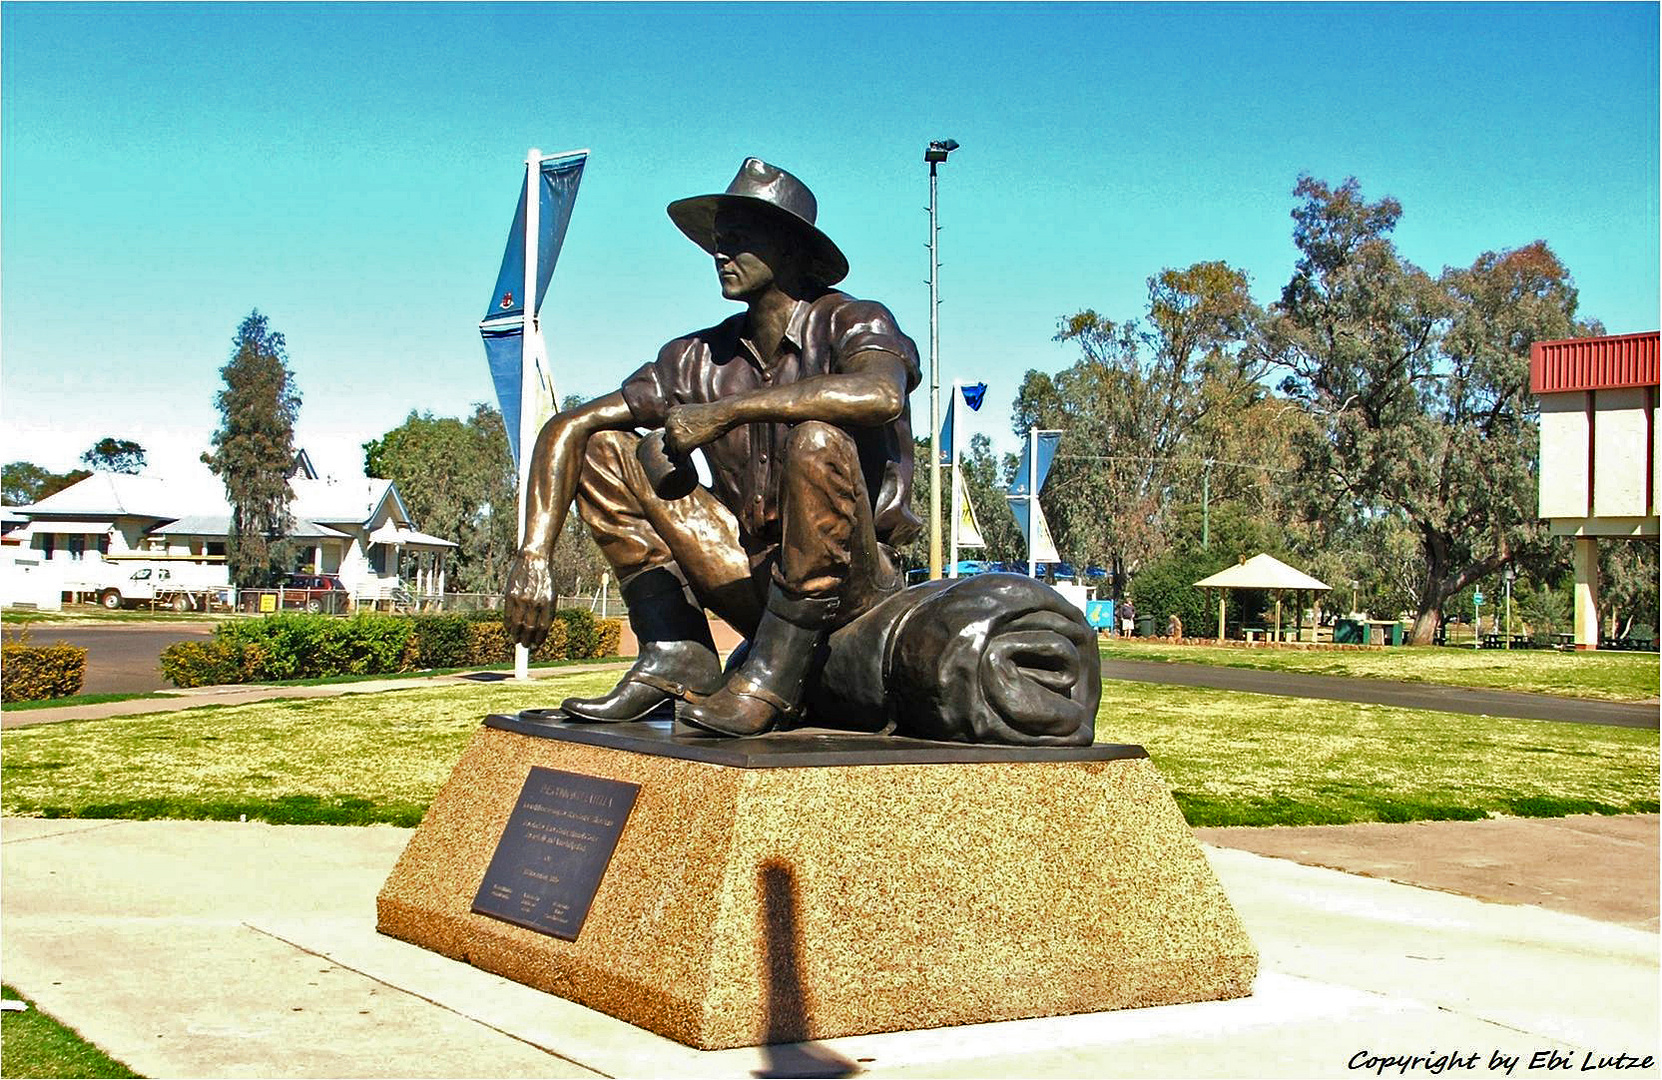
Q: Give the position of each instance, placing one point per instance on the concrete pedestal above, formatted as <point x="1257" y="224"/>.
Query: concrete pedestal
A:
<point x="777" y="890"/>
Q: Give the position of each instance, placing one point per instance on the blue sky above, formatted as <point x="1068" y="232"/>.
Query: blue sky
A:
<point x="351" y="172"/>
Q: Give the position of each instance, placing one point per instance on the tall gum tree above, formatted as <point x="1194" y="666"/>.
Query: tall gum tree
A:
<point x="1141" y="407"/>
<point x="457" y="479"/>
<point x="1418" y="388"/>
<point x="253" y="451"/>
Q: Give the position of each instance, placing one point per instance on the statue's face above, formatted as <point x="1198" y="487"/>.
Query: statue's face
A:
<point x="749" y="255"/>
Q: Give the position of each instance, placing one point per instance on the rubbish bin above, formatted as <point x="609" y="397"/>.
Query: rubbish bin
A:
<point x="1145" y="626"/>
<point x="1347" y="632"/>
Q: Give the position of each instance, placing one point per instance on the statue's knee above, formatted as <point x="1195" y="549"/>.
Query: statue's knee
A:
<point x="815" y="438"/>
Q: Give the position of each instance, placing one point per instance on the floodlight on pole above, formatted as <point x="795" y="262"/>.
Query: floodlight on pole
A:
<point x="934" y="155"/>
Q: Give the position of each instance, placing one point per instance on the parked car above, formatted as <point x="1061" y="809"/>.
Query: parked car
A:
<point x="315" y="593"/>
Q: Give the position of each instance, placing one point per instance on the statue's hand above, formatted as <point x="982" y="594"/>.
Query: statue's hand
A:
<point x="688" y="427"/>
<point x="528" y="600"/>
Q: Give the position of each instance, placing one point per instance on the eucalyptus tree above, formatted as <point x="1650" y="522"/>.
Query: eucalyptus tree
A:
<point x="1143" y="406"/>
<point x="1418" y="390"/>
<point x="254" y="451"/>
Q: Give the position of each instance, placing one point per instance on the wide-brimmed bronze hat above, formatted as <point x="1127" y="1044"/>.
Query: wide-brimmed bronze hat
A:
<point x="775" y="194"/>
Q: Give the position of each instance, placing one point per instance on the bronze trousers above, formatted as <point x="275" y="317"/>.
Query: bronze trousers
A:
<point x="827" y="546"/>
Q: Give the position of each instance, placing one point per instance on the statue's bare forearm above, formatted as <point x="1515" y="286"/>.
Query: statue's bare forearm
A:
<point x="869" y="397"/>
<point x="556" y="464"/>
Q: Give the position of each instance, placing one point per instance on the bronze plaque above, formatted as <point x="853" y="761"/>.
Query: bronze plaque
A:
<point x="558" y="843"/>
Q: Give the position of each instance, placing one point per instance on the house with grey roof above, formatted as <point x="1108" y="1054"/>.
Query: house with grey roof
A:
<point x="358" y="530"/>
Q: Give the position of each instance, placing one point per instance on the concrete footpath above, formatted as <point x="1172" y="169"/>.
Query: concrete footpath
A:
<point x="224" y="949"/>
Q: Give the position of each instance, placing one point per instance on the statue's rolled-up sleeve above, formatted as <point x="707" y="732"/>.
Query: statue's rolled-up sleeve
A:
<point x="865" y="326"/>
<point x="650" y="392"/>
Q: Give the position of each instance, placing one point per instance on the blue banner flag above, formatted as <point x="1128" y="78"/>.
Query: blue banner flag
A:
<point x="503" y="326"/>
<point x="946" y="430"/>
<point x="1044" y="456"/>
<point x="972" y="396"/>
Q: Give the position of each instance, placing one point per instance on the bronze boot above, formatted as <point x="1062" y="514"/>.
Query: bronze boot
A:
<point x="677" y="656"/>
<point x="770" y="685"/>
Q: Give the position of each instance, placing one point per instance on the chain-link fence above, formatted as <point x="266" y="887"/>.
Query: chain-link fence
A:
<point x="336" y="602"/>
<point x="315" y="601"/>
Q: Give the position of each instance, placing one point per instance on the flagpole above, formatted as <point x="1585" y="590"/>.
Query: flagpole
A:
<point x="1032" y="498"/>
<point x="956" y="506"/>
<point x="528" y="387"/>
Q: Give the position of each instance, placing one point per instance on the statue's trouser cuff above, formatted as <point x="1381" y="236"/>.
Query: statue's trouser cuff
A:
<point x="828" y="546"/>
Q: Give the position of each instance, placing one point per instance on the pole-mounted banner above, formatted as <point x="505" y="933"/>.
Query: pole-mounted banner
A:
<point x="1038" y="452"/>
<point x="963" y="530"/>
<point x="516" y="357"/>
<point x="514" y="345"/>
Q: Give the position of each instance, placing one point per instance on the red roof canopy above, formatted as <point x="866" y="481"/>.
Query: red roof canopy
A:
<point x="1601" y="363"/>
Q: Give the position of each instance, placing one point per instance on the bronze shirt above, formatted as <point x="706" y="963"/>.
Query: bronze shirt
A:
<point x="821" y="335"/>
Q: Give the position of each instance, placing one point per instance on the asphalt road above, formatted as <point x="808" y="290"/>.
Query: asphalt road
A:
<point x="121" y="659"/>
<point x="1405" y="695"/>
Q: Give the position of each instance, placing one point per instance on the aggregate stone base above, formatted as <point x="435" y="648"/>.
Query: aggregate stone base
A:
<point x="756" y="905"/>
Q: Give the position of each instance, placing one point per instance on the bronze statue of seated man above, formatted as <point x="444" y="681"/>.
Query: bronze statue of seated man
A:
<point x="799" y="404"/>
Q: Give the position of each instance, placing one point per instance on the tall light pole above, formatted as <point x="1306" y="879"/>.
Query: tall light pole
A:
<point x="937" y="152"/>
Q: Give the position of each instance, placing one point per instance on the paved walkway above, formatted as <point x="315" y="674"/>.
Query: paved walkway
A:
<point x="224" y="949"/>
<point x="1603" y="868"/>
<point x="1405" y="695"/>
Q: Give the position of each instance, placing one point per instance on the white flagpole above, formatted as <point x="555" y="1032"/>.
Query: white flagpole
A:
<point x="1032" y="497"/>
<point x="529" y="390"/>
<point x="956" y="508"/>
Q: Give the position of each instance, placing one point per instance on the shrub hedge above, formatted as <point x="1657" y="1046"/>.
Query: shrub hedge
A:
<point x="34" y="672"/>
<point x="442" y="640"/>
<point x="582" y="633"/>
<point x="297" y="646"/>
<point x="209" y="663"/>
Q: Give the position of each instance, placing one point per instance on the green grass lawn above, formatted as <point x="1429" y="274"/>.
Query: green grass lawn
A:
<point x="78" y="699"/>
<point x="1254" y="759"/>
<point x="1605" y="675"/>
<point x="1230" y="758"/>
<point x="350" y="760"/>
<point x="34" y="1044"/>
<point x="425" y="673"/>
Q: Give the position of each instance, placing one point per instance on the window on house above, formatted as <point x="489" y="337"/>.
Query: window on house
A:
<point x="77" y="546"/>
<point x="104" y="544"/>
<point x="47" y="543"/>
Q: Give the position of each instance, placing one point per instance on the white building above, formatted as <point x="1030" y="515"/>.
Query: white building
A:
<point x="354" y="529"/>
<point x="1599" y="467"/>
